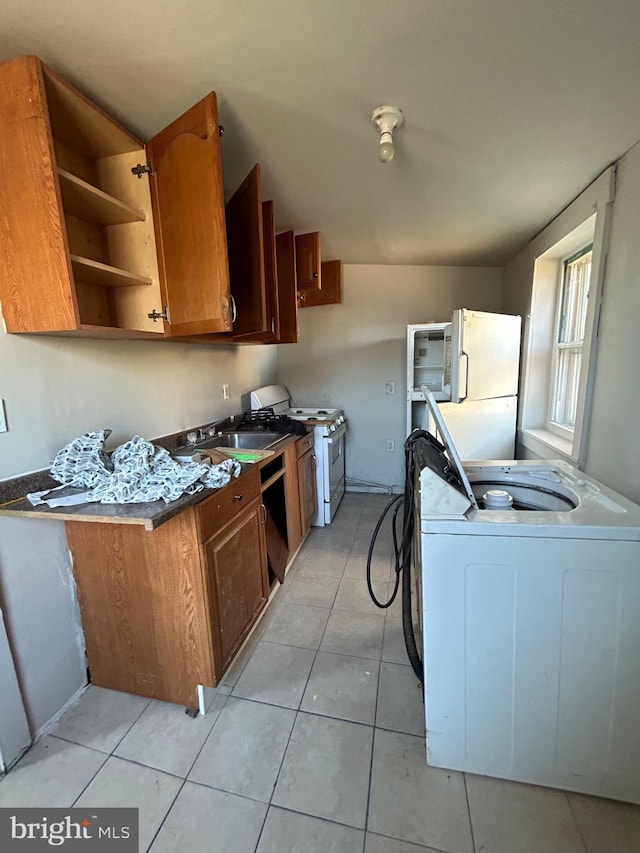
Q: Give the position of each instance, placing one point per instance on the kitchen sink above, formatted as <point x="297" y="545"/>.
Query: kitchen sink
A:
<point x="244" y="440"/>
<point x="238" y="440"/>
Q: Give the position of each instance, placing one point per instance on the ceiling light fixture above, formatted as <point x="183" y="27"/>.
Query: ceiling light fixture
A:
<point x="385" y="120"/>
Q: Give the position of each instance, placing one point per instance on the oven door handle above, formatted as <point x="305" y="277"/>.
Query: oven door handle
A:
<point x="334" y="436"/>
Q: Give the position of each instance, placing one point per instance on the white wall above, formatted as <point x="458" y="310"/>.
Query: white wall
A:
<point x="14" y="729"/>
<point x="613" y="454"/>
<point x="347" y="352"/>
<point x="54" y="390"/>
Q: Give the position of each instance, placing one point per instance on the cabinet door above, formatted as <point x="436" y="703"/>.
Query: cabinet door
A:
<point x="144" y="612"/>
<point x="308" y="261"/>
<point x="270" y="271"/>
<point x="189" y="221"/>
<point x="307" y="486"/>
<point x="292" y="498"/>
<point x="36" y="280"/>
<point x="331" y="292"/>
<point x="272" y="335"/>
<point x="287" y="299"/>
<point x="246" y="257"/>
<point x="280" y="284"/>
<point x="236" y="568"/>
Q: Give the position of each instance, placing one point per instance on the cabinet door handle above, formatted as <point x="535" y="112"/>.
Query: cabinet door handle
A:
<point x="237" y="497"/>
<point x="234" y="308"/>
<point x="263" y="513"/>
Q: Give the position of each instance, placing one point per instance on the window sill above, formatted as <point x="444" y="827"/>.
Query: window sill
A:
<point x="546" y="444"/>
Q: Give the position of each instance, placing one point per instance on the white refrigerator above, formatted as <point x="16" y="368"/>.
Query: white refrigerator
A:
<point x="471" y="365"/>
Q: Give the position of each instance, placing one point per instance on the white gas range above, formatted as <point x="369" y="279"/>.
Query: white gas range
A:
<point x="329" y="429"/>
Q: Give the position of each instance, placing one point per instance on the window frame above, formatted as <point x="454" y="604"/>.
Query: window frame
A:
<point x="585" y="220"/>
<point x="558" y="346"/>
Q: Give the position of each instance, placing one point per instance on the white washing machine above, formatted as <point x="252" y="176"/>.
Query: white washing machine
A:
<point x="530" y="622"/>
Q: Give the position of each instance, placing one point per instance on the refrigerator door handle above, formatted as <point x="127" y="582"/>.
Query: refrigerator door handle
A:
<point x="463" y="378"/>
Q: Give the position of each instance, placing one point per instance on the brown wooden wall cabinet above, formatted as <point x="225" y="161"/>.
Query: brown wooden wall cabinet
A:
<point x="308" y="263"/>
<point x="287" y="295"/>
<point x="166" y="610"/>
<point x="79" y="230"/>
<point x="245" y="240"/>
<point x="331" y="292"/>
<point x="262" y="280"/>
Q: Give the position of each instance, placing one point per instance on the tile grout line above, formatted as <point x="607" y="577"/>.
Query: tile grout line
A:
<point x="109" y="755"/>
<point x="296" y="710"/>
<point x="295" y="719"/>
<point x="375" y="710"/>
<point x="466" y="795"/>
<point x="66" y="740"/>
<point x="418" y="844"/>
<point x="329" y="652"/>
<point x="166" y="815"/>
<point x="577" y="822"/>
<point x="373" y="736"/>
<point x="217" y="719"/>
<point x="297" y="714"/>
<point x="373" y="748"/>
<point x="140" y="764"/>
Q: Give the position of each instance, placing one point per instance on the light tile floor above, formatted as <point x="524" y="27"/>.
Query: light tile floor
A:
<point x="314" y="742"/>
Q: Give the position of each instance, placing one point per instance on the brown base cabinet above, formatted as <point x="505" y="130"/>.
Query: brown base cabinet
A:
<point x="166" y="610"/>
<point x="237" y="581"/>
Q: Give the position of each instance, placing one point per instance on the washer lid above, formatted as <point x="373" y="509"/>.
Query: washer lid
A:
<point x="445" y="437"/>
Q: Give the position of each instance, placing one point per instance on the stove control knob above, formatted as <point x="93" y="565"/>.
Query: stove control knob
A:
<point x="332" y="428"/>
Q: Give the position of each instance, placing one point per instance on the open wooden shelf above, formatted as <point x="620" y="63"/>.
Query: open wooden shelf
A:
<point x="81" y="124"/>
<point x="90" y="203"/>
<point x="93" y="272"/>
<point x="110" y="332"/>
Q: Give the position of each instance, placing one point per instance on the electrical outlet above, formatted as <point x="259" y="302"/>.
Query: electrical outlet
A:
<point x="3" y="417"/>
<point x="226" y="393"/>
<point x="391" y="445"/>
<point x="390" y="388"/>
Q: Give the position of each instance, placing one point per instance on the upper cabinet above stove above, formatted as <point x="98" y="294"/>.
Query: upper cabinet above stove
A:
<point x="86" y="205"/>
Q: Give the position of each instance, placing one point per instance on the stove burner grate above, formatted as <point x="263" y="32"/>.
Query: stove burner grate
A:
<point x="265" y="419"/>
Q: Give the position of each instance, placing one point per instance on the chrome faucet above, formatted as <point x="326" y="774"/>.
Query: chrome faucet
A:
<point x="206" y="432"/>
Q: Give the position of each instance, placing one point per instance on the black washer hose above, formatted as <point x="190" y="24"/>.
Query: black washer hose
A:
<point x="403" y="553"/>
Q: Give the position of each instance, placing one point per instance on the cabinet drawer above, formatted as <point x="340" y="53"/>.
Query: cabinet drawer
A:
<point x="304" y="444"/>
<point x="217" y="510"/>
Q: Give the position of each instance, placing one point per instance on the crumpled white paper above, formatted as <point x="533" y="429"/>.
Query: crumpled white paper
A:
<point x="136" y="472"/>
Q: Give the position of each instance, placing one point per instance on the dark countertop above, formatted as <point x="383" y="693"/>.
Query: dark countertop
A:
<point x="151" y="515"/>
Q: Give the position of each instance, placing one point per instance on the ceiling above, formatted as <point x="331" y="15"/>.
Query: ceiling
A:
<point x="511" y="108"/>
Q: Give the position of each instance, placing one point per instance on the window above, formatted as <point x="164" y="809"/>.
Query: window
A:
<point x="563" y="267"/>
<point x="570" y="325"/>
